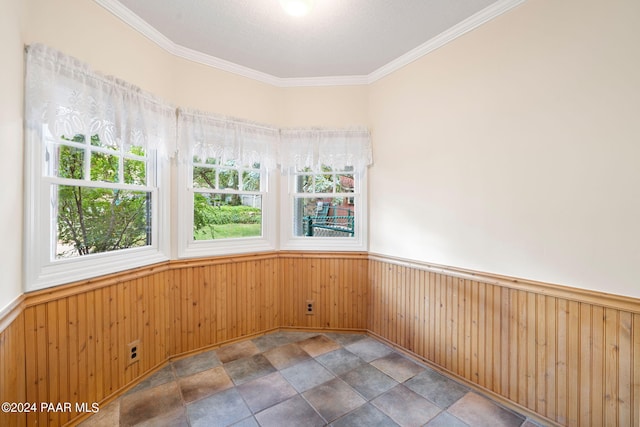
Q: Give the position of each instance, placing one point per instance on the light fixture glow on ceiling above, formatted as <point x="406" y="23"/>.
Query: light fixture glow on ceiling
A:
<point x="297" y="7"/>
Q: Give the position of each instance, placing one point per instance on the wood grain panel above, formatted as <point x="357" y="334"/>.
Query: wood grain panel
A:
<point x="79" y="345"/>
<point x="222" y="302"/>
<point x="567" y="360"/>
<point x="12" y="368"/>
<point x="571" y="357"/>
<point x="337" y="284"/>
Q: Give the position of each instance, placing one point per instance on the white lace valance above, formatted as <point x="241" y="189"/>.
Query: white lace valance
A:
<point x="335" y="148"/>
<point x="226" y="139"/>
<point x="71" y="99"/>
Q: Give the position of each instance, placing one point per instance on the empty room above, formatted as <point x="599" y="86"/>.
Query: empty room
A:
<point x="320" y="212"/>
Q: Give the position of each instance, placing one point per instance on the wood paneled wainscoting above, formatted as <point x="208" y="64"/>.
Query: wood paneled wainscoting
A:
<point x="70" y="343"/>
<point x="569" y="355"/>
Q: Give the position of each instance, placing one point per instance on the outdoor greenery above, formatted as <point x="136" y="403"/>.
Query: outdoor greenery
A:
<point x="223" y="215"/>
<point x="217" y="217"/>
<point x="93" y="219"/>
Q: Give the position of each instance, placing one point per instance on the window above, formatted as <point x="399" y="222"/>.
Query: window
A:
<point x="97" y="199"/>
<point x="324" y="210"/>
<point x="324" y="194"/>
<point x="324" y="204"/>
<point x="101" y="196"/>
<point x="227" y="200"/>
<point x="226" y="203"/>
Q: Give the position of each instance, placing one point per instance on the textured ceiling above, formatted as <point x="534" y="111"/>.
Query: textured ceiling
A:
<point x="338" y="37"/>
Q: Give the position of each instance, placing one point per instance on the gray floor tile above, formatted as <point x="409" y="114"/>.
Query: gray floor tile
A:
<point x="437" y="388"/>
<point x="175" y="418"/>
<point x="299" y="336"/>
<point x="340" y="361"/>
<point x="198" y="363"/>
<point x="406" y="407"/>
<point x="294" y="412"/>
<point x="445" y="419"/>
<point x="266" y="391"/>
<point x="369" y="349"/>
<point x="345" y="339"/>
<point x="369" y="381"/>
<point x="221" y="409"/>
<point x="163" y="376"/>
<point x="247" y="422"/>
<point x="237" y="351"/>
<point x="352" y="380"/>
<point x="276" y="339"/>
<point x="478" y="411"/>
<point x="249" y="368"/>
<point x="150" y="403"/>
<point x="398" y="367"/>
<point x="320" y="344"/>
<point x="333" y="399"/>
<point x="306" y="375"/>
<point x="286" y="355"/>
<point x="365" y="416"/>
<point x="203" y="384"/>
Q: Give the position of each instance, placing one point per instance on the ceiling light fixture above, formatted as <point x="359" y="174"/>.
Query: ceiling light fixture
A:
<point x="297" y="7"/>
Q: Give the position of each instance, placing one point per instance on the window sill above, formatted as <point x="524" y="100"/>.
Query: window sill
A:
<point x="86" y="267"/>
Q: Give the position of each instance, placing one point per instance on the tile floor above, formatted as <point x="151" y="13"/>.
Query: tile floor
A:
<point x="303" y="379"/>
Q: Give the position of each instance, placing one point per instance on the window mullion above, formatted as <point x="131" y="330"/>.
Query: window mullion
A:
<point x="151" y="169"/>
<point x="212" y="191"/>
<point x="121" y="164"/>
<point x="96" y="184"/>
<point x="87" y="157"/>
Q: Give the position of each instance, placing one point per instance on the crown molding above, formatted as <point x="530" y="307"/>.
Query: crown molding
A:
<point x="137" y="23"/>
<point x="324" y="81"/>
<point x="140" y="25"/>
<point x="144" y="28"/>
<point x="221" y="64"/>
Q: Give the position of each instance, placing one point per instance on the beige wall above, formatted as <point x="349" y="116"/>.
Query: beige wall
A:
<point x="83" y="29"/>
<point x="11" y="210"/>
<point x="209" y="89"/>
<point x="514" y="149"/>
<point x="511" y="150"/>
<point x="339" y="106"/>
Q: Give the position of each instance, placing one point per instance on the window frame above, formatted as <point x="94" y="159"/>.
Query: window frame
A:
<point x="188" y="247"/>
<point x="41" y="268"/>
<point x="289" y="241"/>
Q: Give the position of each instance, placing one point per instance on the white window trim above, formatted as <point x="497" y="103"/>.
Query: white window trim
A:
<point x="188" y="247"/>
<point x="42" y="272"/>
<point x="359" y="242"/>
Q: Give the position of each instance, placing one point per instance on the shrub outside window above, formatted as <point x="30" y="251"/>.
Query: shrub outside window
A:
<point x="227" y="200"/>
